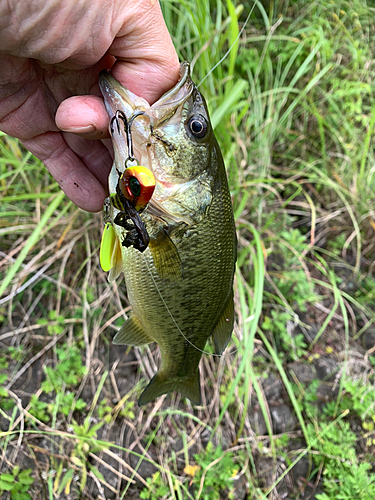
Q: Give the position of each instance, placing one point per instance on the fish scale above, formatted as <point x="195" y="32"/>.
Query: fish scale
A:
<point x="181" y="287"/>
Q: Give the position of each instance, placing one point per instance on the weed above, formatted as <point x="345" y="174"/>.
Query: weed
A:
<point x="104" y="411"/>
<point x="157" y="488"/>
<point x="359" y="397"/>
<point x="16" y="353"/>
<point x="66" y="374"/>
<point x="59" y="323"/>
<point x="86" y="443"/>
<point x="281" y="326"/>
<point x="216" y="470"/>
<point x="68" y="371"/>
<point x="40" y="409"/>
<point x="17" y="484"/>
<point x="291" y="280"/>
<point x="307" y="398"/>
<point x="282" y="441"/>
<point x="6" y="403"/>
<point x="344" y="477"/>
<point x="107" y="412"/>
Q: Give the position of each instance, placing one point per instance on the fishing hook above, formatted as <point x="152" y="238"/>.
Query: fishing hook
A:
<point x="120" y="115"/>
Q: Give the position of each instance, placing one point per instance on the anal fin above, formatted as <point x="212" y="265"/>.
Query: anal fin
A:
<point x="165" y="256"/>
<point x="132" y="333"/>
<point x="224" y="327"/>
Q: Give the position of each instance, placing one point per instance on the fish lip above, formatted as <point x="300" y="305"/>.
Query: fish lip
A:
<point x="184" y="79"/>
<point x="117" y="97"/>
<point x="172" y="100"/>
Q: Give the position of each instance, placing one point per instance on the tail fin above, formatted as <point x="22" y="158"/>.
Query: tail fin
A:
<point x="162" y="384"/>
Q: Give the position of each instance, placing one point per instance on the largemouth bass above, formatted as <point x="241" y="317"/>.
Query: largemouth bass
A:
<point x="181" y="287"/>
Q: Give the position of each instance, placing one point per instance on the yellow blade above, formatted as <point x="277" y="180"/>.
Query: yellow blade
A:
<point x="106" y="246"/>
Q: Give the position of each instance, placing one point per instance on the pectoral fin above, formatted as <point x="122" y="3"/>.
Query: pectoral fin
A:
<point x="165" y="255"/>
<point x="132" y="333"/>
<point x="224" y="327"/>
<point x="116" y="262"/>
<point x="161" y="383"/>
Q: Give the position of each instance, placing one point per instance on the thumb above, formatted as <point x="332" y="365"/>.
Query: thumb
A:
<point x="147" y="62"/>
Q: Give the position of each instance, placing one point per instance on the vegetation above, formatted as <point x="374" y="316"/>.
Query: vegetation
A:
<point x="289" y="410"/>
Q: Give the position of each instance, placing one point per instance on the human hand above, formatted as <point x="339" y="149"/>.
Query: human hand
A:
<point x="50" y="51"/>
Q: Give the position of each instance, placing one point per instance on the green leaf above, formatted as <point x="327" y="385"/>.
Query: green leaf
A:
<point x="96" y="472"/>
<point x="9" y="478"/>
<point x="80" y="404"/>
<point x="229" y="103"/>
<point x="3" y="392"/>
<point x="3" y="362"/>
<point x="24" y="477"/>
<point x="5" y="486"/>
<point x="52" y="314"/>
<point x="65" y="480"/>
<point x="21" y="496"/>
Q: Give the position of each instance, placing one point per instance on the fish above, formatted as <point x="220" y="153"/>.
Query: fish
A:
<point x="181" y="286"/>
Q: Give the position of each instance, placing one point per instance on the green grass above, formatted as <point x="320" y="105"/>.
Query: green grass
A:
<point x="290" y="86"/>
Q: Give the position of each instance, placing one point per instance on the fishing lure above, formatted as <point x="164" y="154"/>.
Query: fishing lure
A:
<point x="134" y="190"/>
<point x="135" y="187"/>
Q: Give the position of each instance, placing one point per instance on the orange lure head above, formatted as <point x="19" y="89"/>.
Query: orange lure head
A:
<point x="137" y="184"/>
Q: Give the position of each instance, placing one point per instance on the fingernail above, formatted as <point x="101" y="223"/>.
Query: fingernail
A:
<point x="89" y="129"/>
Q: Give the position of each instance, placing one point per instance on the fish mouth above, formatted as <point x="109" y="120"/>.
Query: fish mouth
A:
<point x="117" y="97"/>
<point x="144" y="119"/>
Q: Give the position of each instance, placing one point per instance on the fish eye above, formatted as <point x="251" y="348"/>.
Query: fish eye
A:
<point x="134" y="186"/>
<point x="198" y="126"/>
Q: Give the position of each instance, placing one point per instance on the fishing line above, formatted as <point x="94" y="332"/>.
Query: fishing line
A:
<point x="174" y="321"/>
<point x="231" y="47"/>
